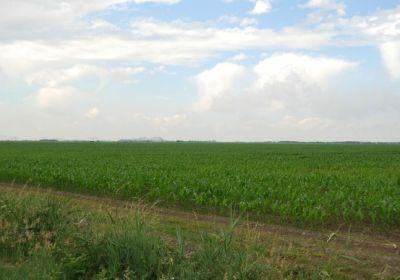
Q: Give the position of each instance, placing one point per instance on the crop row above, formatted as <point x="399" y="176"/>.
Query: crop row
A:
<point x="311" y="184"/>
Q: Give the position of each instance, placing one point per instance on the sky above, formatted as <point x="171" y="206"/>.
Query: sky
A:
<point x="225" y="70"/>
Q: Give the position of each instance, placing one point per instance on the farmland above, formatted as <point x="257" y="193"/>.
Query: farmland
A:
<point x="304" y="184"/>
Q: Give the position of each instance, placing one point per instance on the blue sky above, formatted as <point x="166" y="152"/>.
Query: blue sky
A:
<point x="239" y="70"/>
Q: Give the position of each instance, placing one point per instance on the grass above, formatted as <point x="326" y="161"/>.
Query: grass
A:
<point x="38" y="267"/>
<point x="304" y="184"/>
<point x="53" y="236"/>
<point x="45" y="239"/>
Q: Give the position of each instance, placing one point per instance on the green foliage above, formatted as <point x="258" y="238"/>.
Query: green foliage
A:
<point x="39" y="267"/>
<point x="299" y="183"/>
<point x="127" y="249"/>
<point x="130" y="248"/>
<point x="43" y="230"/>
<point x="29" y="226"/>
<point x="226" y="259"/>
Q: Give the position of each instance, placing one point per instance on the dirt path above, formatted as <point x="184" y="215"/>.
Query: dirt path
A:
<point x="370" y="237"/>
<point x="368" y="250"/>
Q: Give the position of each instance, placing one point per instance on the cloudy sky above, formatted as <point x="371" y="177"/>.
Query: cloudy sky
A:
<point x="247" y="70"/>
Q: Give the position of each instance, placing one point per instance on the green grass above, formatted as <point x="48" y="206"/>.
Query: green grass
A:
<point x="38" y="267"/>
<point x="46" y="236"/>
<point x="42" y="238"/>
<point x="306" y="184"/>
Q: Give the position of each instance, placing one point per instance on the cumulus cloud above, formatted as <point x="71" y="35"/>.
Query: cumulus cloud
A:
<point x="279" y="68"/>
<point x="281" y="89"/>
<point x="56" y="99"/>
<point x="391" y="55"/>
<point x="277" y="78"/>
<point x="382" y="30"/>
<point x="290" y="96"/>
<point x="58" y="93"/>
<point x="217" y="82"/>
<point x="59" y="88"/>
<point x="261" y="7"/>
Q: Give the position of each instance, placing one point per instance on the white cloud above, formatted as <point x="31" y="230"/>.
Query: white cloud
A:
<point x="279" y="68"/>
<point x="304" y="123"/>
<point x="280" y="85"/>
<point x="291" y="96"/>
<point x="234" y="20"/>
<point x="57" y="19"/>
<point x="57" y="77"/>
<point x="217" y="82"/>
<point x="170" y="2"/>
<point x="383" y="25"/>
<point x="391" y="56"/>
<point x="59" y="92"/>
<point x="296" y="84"/>
<point x="152" y="42"/>
<point x="328" y="5"/>
<point x="173" y="120"/>
<point x="92" y="113"/>
<point x="51" y="77"/>
<point x="56" y="99"/>
<point x="161" y="122"/>
<point x="125" y="74"/>
<point x="206" y="39"/>
<point x="248" y="22"/>
<point x="23" y="11"/>
<point x="382" y="30"/>
<point x="59" y="88"/>
<point x="239" y="57"/>
<point x="54" y="46"/>
<point x="261" y="7"/>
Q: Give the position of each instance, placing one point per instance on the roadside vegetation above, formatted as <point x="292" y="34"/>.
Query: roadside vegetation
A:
<point x="52" y="235"/>
<point x="46" y="238"/>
